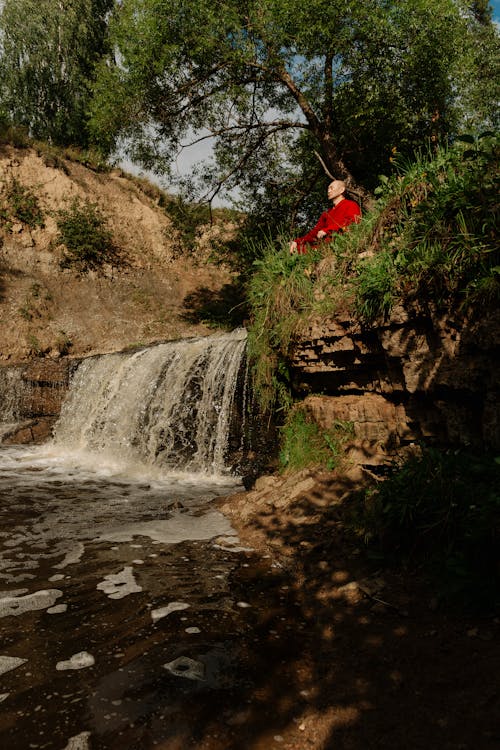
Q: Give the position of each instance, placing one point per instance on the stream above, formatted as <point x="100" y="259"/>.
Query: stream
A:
<point x="124" y="619"/>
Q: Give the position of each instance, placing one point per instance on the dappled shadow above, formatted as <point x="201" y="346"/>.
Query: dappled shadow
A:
<point x="223" y="307"/>
<point x="349" y="657"/>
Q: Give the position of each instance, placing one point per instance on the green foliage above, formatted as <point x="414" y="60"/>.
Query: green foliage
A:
<point x="49" y="51"/>
<point x="351" y="80"/>
<point x="439" y="221"/>
<point x="280" y="292"/>
<point x="376" y="285"/>
<point x="21" y="205"/>
<point x="187" y="217"/>
<point x="439" y="511"/>
<point x="304" y="444"/>
<point x="15" y="135"/>
<point x="87" y="239"/>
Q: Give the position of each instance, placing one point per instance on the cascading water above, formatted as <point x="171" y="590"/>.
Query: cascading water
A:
<point x="168" y="406"/>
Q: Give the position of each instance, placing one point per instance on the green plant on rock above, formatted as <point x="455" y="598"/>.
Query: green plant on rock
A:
<point x="439" y="220"/>
<point x="375" y="285"/>
<point x="84" y="232"/>
<point x="305" y="444"/>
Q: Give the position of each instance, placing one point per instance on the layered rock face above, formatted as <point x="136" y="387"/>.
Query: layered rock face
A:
<point x="415" y="376"/>
<point x="32" y="399"/>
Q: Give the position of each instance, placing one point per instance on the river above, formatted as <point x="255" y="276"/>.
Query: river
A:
<point x="124" y="621"/>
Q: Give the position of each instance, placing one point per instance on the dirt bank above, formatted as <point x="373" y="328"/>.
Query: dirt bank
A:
<point x="149" y="295"/>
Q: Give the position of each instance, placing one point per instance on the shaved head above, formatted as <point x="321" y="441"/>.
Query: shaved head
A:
<point x="337" y="187"/>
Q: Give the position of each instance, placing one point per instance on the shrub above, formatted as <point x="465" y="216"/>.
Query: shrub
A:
<point x="440" y="512"/>
<point x="87" y="239"/>
<point x="22" y="204"/>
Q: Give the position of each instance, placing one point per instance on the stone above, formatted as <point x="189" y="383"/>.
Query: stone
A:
<point x="266" y="482"/>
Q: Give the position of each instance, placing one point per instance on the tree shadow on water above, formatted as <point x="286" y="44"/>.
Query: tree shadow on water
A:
<point x="223" y="307"/>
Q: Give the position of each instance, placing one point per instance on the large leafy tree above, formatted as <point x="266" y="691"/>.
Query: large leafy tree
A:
<point x="272" y="81"/>
<point x="49" y="50"/>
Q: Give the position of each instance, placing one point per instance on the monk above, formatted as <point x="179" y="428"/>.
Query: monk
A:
<point x="336" y="219"/>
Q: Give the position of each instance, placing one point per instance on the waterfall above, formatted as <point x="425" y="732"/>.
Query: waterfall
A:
<point x="169" y="406"/>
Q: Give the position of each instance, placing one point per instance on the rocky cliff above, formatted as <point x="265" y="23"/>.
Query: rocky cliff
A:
<point x="419" y="375"/>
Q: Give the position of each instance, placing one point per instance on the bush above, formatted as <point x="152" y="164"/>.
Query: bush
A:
<point x="440" y="512"/>
<point x="87" y="239"/>
<point x="22" y="205"/>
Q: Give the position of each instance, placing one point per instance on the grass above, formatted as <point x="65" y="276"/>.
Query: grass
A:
<point x="304" y="444"/>
<point x="280" y="295"/>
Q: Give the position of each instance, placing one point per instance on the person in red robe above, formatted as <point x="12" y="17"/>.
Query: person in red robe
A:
<point x="336" y="219"/>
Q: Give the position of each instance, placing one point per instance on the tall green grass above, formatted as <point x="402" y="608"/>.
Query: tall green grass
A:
<point x="280" y="294"/>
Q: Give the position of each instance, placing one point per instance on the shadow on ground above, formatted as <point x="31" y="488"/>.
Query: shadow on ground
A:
<point x="341" y="656"/>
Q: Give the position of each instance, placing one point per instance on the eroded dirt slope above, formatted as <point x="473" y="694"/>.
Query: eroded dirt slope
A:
<point x="47" y="311"/>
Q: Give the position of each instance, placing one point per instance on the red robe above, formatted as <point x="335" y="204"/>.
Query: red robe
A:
<point x="335" y="220"/>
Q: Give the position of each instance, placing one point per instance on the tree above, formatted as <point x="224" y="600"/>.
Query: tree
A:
<point x="49" y="51"/>
<point x="272" y="81"/>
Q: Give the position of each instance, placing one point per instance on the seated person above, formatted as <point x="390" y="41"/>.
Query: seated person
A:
<point x="342" y="213"/>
